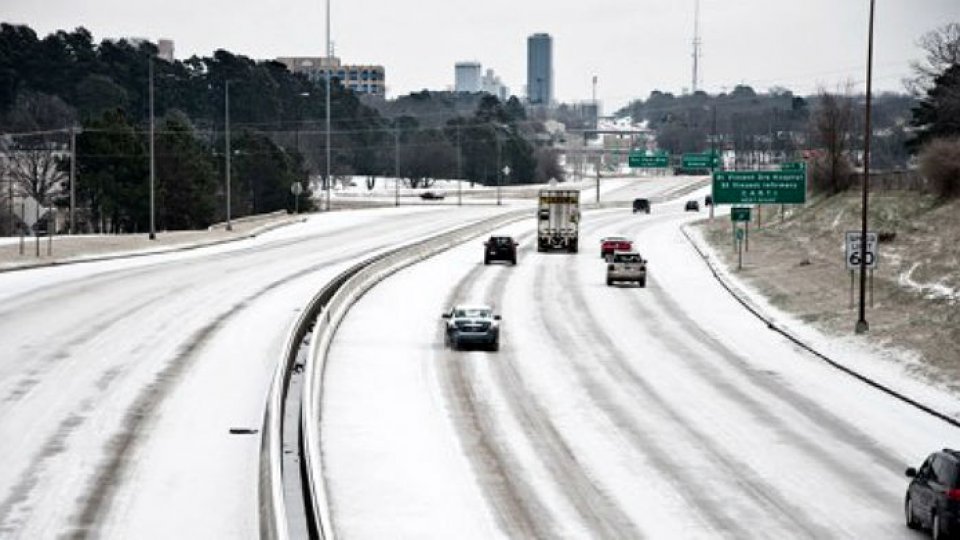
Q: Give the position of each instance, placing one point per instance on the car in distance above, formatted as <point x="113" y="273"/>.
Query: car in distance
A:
<point x="432" y="195"/>
<point x="692" y="206"/>
<point x="641" y="205"/>
<point x="500" y="248"/>
<point x="627" y="266"/>
<point x="472" y="325"/>
<point x="708" y="200"/>
<point x="933" y="496"/>
<point x="611" y="244"/>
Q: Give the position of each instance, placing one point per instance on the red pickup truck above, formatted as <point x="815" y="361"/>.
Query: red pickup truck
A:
<point x="610" y="244"/>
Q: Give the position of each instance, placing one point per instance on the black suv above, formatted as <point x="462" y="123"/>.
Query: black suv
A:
<point x="641" y="205"/>
<point x="693" y="205"/>
<point x="500" y="248"/>
<point x="933" y="496"/>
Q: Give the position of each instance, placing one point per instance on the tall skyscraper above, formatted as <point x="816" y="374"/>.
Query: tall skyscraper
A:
<point x="540" y="69"/>
<point x="467" y="77"/>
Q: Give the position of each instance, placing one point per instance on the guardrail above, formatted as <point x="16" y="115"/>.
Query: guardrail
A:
<point x="328" y="308"/>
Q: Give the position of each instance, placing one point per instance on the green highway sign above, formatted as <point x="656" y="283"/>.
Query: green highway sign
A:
<point x="738" y="213"/>
<point x="649" y="161"/>
<point x="760" y="187"/>
<point x="700" y="161"/>
<point x="793" y="166"/>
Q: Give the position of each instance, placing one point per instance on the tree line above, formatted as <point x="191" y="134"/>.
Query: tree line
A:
<point x="66" y="82"/>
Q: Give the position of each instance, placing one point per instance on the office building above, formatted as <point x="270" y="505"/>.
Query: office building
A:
<point x="362" y="79"/>
<point x="540" y="70"/>
<point x="467" y="77"/>
<point x="165" y="49"/>
<point x="492" y="84"/>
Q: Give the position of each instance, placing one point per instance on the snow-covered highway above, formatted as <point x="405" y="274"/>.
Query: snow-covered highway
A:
<point x="120" y="381"/>
<point x="609" y="412"/>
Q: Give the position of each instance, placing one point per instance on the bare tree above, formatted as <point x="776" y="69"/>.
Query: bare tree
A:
<point x="941" y="49"/>
<point x="833" y="123"/>
<point x="35" y="166"/>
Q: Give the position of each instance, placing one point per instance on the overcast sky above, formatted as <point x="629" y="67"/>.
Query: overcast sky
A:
<point x="633" y="46"/>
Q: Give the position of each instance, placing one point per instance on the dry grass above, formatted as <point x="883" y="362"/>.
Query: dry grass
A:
<point x="799" y="265"/>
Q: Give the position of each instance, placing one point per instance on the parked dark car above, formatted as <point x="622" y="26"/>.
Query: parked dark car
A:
<point x="933" y="496"/>
<point x="500" y="248"/>
<point x="708" y="200"/>
<point x="641" y="205"/>
<point x="432" y="195"/>
<point x="692" y="206"/>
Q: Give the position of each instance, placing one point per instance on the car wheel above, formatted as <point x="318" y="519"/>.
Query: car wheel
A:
<point x="495" y="346"/>
<point x="609" y="282"/>
<point x="911" y="519"/>
<point x="513" y="261"/>
<point x="642" y="282"/>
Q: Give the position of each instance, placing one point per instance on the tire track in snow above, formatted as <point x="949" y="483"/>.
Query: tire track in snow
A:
<point x="598" y="511"/>
<point x="611" y="359"/>
<point x="839" y="429"/>
<point x="513" y="501"/>
<point x="122" y="445"/>
<point x="39" y="365"/>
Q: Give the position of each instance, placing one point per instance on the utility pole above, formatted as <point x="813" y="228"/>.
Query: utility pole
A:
<point x="73" y="178"/>
<point x="328" y="77"/>
<point x="499" y="172"/>
<point x="226" y="137"/>
<point x="153" y="230"/>
<point x="862" y="325"/>
<point x="396" y="167"/>
<point x="459" y="169"/>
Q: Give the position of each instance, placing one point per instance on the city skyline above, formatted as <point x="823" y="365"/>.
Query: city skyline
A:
<point x="633" y="47"/>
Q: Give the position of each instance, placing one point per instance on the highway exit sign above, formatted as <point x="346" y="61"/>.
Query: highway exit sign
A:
<point x="760" y="187"/>
<point x="648" y="161"/>
<point x="700" y="161"/>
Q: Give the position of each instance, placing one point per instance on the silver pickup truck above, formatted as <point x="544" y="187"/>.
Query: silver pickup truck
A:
<point x="627" y="266"/>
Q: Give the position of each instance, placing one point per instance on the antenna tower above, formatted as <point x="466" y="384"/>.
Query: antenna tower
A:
<point x="696" y="46"/>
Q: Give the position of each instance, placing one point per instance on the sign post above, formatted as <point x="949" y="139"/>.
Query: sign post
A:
<point x="296" y="189"/>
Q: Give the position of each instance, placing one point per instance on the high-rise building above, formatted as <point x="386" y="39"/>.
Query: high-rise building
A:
<point x="540" y="69"/>
<point x="467" y="77"/>
<point x="165" y="49"/>
<point x="492" y="84"/>
<point x="362" y="79"/>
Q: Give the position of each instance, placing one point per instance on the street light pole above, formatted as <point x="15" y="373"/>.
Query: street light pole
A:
<point x="328" y="77"/>
<point x="396" y="167"/>
<point x="459" y="169"/>
<point x="153" y="230"/>
<point x="862" y="325"/>
<point x="226" y="137"/>
<point x="497" y="135"/>
<point x="73" y="178"/>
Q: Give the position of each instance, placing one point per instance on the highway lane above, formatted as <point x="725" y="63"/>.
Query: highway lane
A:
<point x="609" y="412"/>
<point x="120" y="381"/>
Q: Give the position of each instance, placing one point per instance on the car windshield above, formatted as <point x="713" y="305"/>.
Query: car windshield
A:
<point x="471" y="313"/>
<point x="501" y="240"/>
<point x="627" y="258"/>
